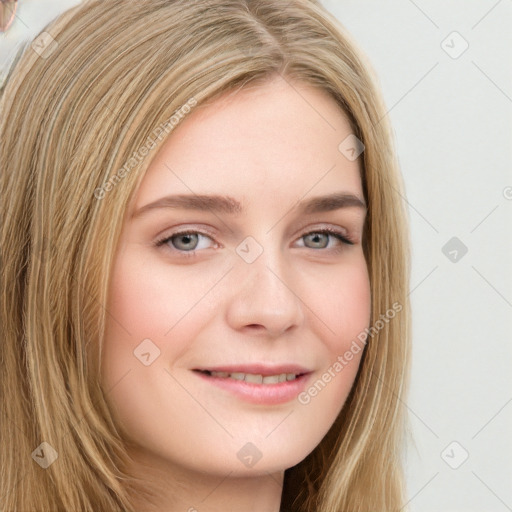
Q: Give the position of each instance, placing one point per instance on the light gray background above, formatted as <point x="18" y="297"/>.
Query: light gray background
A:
<point x="452" y="119"/>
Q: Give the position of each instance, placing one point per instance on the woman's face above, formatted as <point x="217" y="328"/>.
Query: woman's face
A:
<point x="255" y="292"/>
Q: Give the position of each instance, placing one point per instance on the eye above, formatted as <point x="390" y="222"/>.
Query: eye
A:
<point x="318" y="237"/>
<point x="184" y="241"/>
<point x="187" y="243"/>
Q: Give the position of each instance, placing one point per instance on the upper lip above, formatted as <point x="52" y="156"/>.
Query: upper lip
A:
<point x="257" y="369"/>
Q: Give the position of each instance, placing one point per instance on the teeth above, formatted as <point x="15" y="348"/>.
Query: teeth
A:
<point x="256" y="379"/>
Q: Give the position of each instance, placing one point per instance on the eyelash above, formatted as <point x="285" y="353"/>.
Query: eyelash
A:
<point x="345" y="239"/>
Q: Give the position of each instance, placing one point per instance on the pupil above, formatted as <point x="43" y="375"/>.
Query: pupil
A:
<point x="187" y="238"/>
<point x="316" y="236"/>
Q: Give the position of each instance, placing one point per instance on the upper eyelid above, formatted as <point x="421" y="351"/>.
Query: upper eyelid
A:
<point x="211" y="233"/>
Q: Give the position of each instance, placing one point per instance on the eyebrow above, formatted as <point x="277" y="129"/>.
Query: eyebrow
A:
<point x="229" y="205"/>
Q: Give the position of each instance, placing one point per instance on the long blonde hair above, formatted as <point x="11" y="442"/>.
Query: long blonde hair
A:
<point x="76" y="108"/>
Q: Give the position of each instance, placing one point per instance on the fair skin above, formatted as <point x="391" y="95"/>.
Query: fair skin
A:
<point x="301" y="302"/>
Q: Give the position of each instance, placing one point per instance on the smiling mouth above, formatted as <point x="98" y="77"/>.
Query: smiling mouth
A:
<point x="253" y="378"/>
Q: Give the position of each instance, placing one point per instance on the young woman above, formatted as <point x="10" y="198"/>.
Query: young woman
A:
<point x="204" y="265"/>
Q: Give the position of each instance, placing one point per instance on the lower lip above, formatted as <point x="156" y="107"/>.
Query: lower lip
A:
<point x="268" y="394"/>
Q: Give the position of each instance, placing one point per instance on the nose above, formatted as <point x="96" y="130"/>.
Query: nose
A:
<point x="265" y="298"/>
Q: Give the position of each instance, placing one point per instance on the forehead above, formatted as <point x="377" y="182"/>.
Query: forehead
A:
<point x="279" y="140"/>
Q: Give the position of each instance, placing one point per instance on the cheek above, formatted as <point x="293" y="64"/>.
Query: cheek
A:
<point x="344" y="308"/>
<point x="143" y="305"/>
<point x="149" y="300"/>
<point x="343" y="302"/>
